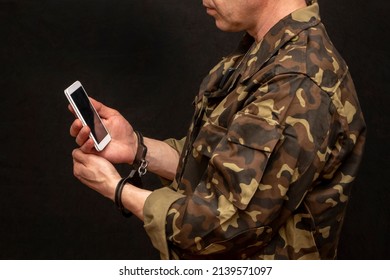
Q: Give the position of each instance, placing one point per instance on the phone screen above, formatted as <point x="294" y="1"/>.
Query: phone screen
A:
<point x="89" y="114"/>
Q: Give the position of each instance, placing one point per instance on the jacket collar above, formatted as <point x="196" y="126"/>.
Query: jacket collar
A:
<point x="281" y="33"/>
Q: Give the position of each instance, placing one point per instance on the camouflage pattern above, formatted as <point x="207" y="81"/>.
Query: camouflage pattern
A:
<point x="268" y="162"/>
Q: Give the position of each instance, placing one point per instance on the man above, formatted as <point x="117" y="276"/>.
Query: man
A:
<point x="267" y="165"/>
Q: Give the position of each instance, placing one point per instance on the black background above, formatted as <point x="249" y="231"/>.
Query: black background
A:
<point x="146" y="58"/>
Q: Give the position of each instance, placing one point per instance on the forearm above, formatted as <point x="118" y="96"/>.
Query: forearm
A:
<point x="162" y="158"/>
<point x="133" y="199"/>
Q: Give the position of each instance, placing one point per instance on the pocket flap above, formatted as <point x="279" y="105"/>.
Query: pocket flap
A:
<point x="208" y="138"/>
<point x="254" y="132"/>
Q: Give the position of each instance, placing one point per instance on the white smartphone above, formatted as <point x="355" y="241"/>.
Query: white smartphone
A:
<point x="85" y="111"/>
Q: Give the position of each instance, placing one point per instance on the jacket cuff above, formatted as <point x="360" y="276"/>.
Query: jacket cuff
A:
<point x="155" y="212"/>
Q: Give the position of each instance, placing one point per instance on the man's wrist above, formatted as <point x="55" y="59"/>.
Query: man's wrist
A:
<point x="140" y="163"/>
<point x="111" y="186"/>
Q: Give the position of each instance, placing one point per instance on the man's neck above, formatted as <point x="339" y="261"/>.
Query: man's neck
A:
<point x="271" y="13"/>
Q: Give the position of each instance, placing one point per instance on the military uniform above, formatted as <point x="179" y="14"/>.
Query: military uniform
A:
<point x="267" y="165"/>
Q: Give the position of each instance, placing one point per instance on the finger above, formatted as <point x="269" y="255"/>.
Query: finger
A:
<point x="76" y="167"/>
<point x="83" y="135"/>
<point x="78" y="156"/>
<point x="75" y="127"/>
<point x="70" y="108"/>
<point x="88" y="147"/>
<point x="79" y="166"/>
<point x="103" y="111"/>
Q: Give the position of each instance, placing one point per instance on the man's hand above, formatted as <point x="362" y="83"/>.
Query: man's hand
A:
<point x="162" y="158"/>
<point x="100" y="175"/>
<point x="123" y="145"/>
<point x="95" y="172"/>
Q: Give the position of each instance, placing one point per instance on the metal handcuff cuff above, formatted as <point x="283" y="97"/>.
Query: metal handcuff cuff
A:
<point x="138" y="169"/>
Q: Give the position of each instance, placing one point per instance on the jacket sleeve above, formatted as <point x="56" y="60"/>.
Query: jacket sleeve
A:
<point x="176" y="144"/>
<point x="155" y="211"/>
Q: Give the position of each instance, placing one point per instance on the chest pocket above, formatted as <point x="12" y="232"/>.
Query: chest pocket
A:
<point x="210" y="135"/>
<point x="238" y="156"/>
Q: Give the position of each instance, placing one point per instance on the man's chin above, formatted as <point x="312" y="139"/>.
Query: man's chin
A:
<point x="225" y="27"/>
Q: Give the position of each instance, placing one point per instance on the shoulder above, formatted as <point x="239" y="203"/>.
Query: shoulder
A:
<point x="312" y="54"/>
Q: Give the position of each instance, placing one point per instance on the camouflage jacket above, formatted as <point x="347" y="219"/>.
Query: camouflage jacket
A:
<point x="267" y="165"/>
